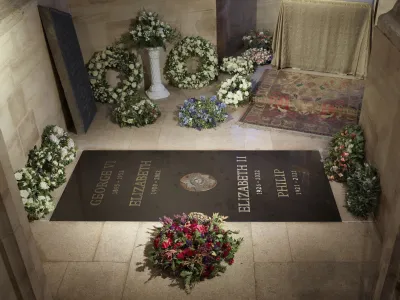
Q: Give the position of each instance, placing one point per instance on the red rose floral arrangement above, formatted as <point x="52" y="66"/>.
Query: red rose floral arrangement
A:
<point x="193" y="247"/>
<point x="345" y="153"/>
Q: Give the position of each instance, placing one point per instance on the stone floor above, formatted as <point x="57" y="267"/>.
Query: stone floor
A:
<point x="101" y="260"/>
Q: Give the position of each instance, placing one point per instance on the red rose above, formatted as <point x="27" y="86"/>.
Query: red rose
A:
<point x="186" y="230"/>
<point x="209" y="245"/>
<point x="166" y="243"/>
<point x="188" y="252"/>
<point x="179" y="244"/>
<point x="180" y="256"/>
<point x="156" y="242"/>
<point x="170" y="234"/>
<point x="218" y="244"/>
<point x="226" y="253"/>
<point x="231" y="261"/>
<point x="188" y="236"/>
<point x="218" y="258"/>
<point x="201" y="228"/>
<point x="211" y="268"/>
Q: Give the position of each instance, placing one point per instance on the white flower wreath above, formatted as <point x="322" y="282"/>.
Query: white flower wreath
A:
<point x="235" y="90"/>
<point x="176" y="71"/>
<point x="237" y="65"/>
<point x="124" y="62"/>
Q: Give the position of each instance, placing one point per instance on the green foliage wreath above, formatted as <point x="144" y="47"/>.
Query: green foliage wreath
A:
<point x="176" y="71"/>
<point x="120" y="60"/>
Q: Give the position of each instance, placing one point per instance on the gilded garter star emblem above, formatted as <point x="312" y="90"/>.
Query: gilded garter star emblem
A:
<point x="198" y="182"/>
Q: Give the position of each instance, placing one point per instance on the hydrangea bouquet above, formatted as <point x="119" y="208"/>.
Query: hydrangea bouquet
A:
<point x="136" y="111"/>
<point x="193" y="247"/>
<point x="258" y="39"/>
<point x="237" y="65"/>
<point x="202" y="113"/>
<point x="235" y="90"/>
<point x="346" y="151"/>
<point x="148" y="31"/>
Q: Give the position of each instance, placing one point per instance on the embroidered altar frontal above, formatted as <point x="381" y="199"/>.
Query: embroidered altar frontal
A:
<point x="287" y="186"/>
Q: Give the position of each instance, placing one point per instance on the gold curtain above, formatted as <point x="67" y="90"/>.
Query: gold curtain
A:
<point x="323" y="36"/>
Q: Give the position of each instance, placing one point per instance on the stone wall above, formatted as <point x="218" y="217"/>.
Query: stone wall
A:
<point x="29" y="98"/>
<point x="267" y="14"/>
<point x="99" y="23"/>
<point x="380" y="118"/>
<point x="21" y="271"/>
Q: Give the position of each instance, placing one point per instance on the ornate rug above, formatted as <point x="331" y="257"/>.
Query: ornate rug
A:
<point x="307" y="103"/>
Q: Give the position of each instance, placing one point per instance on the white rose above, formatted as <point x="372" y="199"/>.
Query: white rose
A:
<point x="41" y="198"/>
<point x="24" y="193"/>
<point x="135" y="72"/>
<point x="114" y="95"/>
<point x="131" y="66"/>
<point x="54" y="139"/>
<point x="134" y="84"/>
<point x="18" y="176"/>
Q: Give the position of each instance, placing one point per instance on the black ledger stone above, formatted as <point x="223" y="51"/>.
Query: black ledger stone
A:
<point x="287" y="186"/>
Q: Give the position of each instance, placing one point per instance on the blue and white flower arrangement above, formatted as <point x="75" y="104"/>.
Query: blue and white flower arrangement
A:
<point x="202" y="113"/>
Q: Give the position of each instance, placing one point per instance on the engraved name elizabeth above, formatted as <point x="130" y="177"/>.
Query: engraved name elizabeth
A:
<point x="113" y="178"/>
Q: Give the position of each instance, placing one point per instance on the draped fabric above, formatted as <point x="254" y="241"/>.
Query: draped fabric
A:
<point x="323" y="36"/>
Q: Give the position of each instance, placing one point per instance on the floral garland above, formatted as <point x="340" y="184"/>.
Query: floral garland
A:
<point x="136" y="111"/>
<point x="258" y="56"/>
<point x="176" y="72"/>
<point x="235" y="90"/>
<point x="237" y="65"/>
<point x="121" y="60"/>
<point x="258" y="39"/>
<point x="193" y="247"/>
<point x="147" y="31"/>
<point x="202" y="113"/>
<point x="45" y="171"/>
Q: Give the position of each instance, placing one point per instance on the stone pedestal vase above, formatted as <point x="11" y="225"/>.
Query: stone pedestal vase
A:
<point x="157" y="90"/>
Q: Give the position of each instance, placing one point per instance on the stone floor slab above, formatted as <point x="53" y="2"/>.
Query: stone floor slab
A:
<point x="66" y="241"/>
<point x="116" y="242"/>
<point x="331" y="242"/>
<point x="328" y="281"/>
<point x="93" y="281"/>
<point x="270" y="242"/>
<point x="285" y="140"/>
<point x="55" y="273"/>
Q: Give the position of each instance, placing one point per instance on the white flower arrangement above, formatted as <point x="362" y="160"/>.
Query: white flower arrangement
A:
<point x="258" y="56"/>
<point x="34" y="192"/>
<point x="45" y="171"/>
<point x="235" y="90"/>
<point x="55" y="137"/>
<point x="47" y="162"/>
<point x="136" y="111"/>
<point x="148" y="31"/>
<point x="175" y="68"/>
<point x="258" y="39"/>
<point x="120" y="60"/>
<point x="237" y="65"/>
